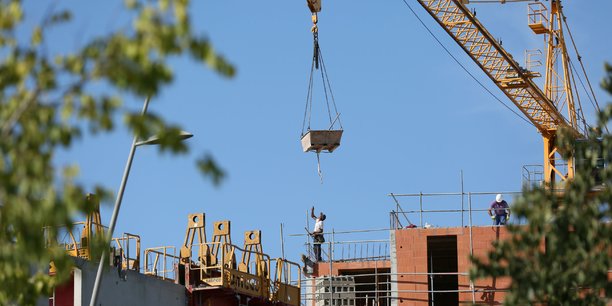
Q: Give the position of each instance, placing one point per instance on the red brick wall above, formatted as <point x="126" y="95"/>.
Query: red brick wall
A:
<point x="411" y="248"/>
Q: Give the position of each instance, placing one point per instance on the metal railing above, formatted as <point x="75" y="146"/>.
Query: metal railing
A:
<point x="362" y="250"/>
<point x="127" y="248"/>
<point x="222" y="270"/>
<point x="349" y="250"/>
<point x="463" y="201"/>
<point x="536" y="13"/>
<point x="76" y="240"/>
<point x="532" y="60"/>
<point x="533" y="175"/>
<point x="253" y="279"/>
<point x="287" y="282"/>
<point x="411" y="210"/>
<point x="161" y="262"/>
<point x="331" y="291"/>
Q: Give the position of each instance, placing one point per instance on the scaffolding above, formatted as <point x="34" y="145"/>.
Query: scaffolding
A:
<point x="342" y="291"/>
<point x="322" y="296"/>
<point x="378" y="286"/>
<point x="399" y="218"/>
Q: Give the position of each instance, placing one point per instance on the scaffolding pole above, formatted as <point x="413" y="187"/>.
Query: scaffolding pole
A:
<point x="471" y="244"/>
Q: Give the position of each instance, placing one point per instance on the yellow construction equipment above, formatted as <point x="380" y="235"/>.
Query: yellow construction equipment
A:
<point x="77" y="239"/>
<point x="287" y="282"/>
<point x="221" y="242"/>
<point x="544" y="108"/>
<point x="204" y="266"/>
<point x="127" y="252"/>
<point x="195" y="228"/>
<point x="161" y="262"/>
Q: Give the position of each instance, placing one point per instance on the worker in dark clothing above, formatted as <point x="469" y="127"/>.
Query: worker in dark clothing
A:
<point x="499" y="211"/>
<point x="317" y="233"/>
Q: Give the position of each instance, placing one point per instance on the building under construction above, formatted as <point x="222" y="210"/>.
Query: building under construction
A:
<point x="424" y="265"/>
<point x="202" y="273"/>
<point x="408" y="264"/>
<point x="412" y="264"/>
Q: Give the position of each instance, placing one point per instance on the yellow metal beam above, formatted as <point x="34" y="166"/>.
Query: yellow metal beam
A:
<point x="542" y="109"/>
<point x="497" y="63"/>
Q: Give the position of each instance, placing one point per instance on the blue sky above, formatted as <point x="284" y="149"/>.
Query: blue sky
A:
<point x="413" y="118"/>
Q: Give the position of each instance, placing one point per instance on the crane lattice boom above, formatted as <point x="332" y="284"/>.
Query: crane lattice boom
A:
<point x="515" y="81"/>
<point x="540" y="107"/>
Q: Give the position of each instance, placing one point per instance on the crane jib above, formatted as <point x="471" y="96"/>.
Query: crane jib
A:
<point x="515" y="81"/>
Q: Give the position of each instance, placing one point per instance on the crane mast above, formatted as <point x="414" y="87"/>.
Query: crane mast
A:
<point x="557" y="84"/>
<point x="541" y="107"/>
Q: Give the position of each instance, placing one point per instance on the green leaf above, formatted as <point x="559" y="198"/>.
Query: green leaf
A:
<point x="208" y="167"/>
<point x="47" y="102"/>
<point x="37" y="36"/>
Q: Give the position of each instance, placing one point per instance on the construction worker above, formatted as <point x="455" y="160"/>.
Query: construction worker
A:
<point x="317" y="233"/>
<point x="501" y="210"/>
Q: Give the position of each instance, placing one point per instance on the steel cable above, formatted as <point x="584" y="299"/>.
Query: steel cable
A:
<point x="596" y="104"/>
<point x="318" y="63"/>
<point x="463" y="67"/>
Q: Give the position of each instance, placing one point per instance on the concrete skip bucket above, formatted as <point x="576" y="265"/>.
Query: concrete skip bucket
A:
<point x="321" y="140"/>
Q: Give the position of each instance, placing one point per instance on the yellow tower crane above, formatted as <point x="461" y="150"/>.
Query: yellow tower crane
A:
<point x="550" y="109"/>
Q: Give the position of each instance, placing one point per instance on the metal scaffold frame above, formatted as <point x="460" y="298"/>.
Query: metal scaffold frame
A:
<point x="362" y="250"/>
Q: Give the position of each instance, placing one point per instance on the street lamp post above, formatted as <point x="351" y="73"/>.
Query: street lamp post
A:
<point x="113" y="221"/>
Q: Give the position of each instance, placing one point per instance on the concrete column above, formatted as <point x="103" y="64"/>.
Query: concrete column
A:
<point x="394" y="278"/>
<point x="78" y="286"/>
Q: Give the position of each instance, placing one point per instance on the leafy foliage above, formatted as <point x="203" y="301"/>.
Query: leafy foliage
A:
<point x="46" y="100"/>
<point x="563" y="254"/>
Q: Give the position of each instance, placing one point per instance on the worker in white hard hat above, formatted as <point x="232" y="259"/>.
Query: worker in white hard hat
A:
<point x="499" y="211"/>
<point x="317" y="233"/>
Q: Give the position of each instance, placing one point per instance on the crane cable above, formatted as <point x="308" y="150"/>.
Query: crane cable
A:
<point x="596" y="104"/>
<point x="579" y="111"/>
<point x="464" y="68"/>
<point x="319" y="64"/>
<point x="308" y="109"/>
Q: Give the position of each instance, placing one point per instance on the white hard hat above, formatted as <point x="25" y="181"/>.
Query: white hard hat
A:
<point x="499" y="198"/>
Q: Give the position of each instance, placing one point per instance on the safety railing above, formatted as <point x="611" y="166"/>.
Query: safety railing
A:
<point x="254" y="280"/>
<point x="378" y="289"/>
<point x="286" y="285"/>
<point x="361" y="250"/>
<point x="461" y="205"/>
<point x="533" y="175"/>
<point x="411" y="210"/>
<point x="350" y="250"/>
<point x="127" y="251"/>
<point x="537" y="19"/>
<point x="161" y="262"/>
<point x="66" y="238"/>
<point x="533" y="60"/>
<point x="75" y="240"/>
<point x="427" y="206"/>
<point x="212" y="270"/>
